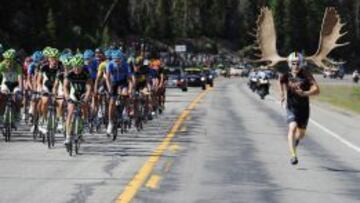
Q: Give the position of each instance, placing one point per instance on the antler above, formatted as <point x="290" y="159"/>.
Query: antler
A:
<point x="329" y="35"/>
<point x="266" y="38"/>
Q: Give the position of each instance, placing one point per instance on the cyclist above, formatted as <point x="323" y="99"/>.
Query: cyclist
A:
<point x="76" y="85"/>
<point x="299" y="84"/>
<point x="99" y="56"/>
<point x="11" y="73"/>
<point x="59" y="88"/>
<point x="91" y="66"/>
<point x="45" y="82"/>
<point x="100" y="83"/>
<point x="118" y="79"/>
<point x="157" y="82"/>
<point x="31" y="78"/>
<point x="141" y="76"/>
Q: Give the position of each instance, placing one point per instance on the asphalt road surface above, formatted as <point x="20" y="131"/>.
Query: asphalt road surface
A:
<point x="221" y="145"/>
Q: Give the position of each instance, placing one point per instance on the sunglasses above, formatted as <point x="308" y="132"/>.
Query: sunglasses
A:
<point x="295" y="63"/>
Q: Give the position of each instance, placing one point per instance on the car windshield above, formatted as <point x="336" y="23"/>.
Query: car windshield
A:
<point x="172" y="72"/>
<point x="193" y="72"/>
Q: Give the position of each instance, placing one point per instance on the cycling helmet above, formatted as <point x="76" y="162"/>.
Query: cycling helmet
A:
<point x="66" y="51"/>
<point x="66" y="60"/>
<point x="9" y="54"/>
<point x="138" y="60"/>
<point x="98" y="50"/>
<point x="53" y="53"/>
<point x="88" y="54"/>
<point x="146" y="62"/>
<point x="295" y="57"/>
<point x="117" y="54"/>
<point x="46" y="51"/>
<point x="108" y="54"/>
<point x="77" y="61"/>
<point x="37" y="56"/>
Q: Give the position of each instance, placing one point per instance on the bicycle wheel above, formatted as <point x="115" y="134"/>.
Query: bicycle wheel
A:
<point x="115" y="131"/>
<point x="8" y="133"/>
<point x="35" y="133"/>
<point x="70" y="150"/>
<point x="48" y="139"/>
<point x="77" y="144"/>
<point x="7" y="122"/>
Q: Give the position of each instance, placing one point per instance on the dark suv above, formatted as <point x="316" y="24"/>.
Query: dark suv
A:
<point x="196" y="77"/>
<point x="210" y="76"/>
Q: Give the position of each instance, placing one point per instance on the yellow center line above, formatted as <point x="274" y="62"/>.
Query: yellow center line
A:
<point x="153" y="182"/>
<point x="174" y="148"/>
<point x="138" y="180"/>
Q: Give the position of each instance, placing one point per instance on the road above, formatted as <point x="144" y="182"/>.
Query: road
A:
<point x="227" y="146"/>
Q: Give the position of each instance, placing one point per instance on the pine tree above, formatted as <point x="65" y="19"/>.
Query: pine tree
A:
<point x="51" y="27"/>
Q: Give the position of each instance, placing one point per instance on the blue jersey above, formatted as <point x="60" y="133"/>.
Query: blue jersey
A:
<point x="32" y="68"/>
<point x="119" y="72"/>
<point x="92" y="69"/>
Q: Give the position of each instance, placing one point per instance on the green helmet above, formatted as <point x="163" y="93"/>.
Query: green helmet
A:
<point x="9" y="54"/>
<point x="53" y="53"/>
<point x="77" y="61"/>
<point x="46" y="51"/>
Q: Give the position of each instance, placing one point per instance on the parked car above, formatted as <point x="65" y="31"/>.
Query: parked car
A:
<point x="176" y="78"/>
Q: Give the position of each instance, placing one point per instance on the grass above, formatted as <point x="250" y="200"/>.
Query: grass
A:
<point x="343" y="96"/>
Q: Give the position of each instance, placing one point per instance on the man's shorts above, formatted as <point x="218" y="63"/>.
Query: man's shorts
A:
<point x="301" y="117"/>
<point x="118" y="85"/>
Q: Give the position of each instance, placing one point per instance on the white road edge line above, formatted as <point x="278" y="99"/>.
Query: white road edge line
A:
<point x="336" y="136"/>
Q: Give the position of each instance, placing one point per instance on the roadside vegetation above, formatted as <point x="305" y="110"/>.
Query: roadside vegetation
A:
<point x="344" y="96"/>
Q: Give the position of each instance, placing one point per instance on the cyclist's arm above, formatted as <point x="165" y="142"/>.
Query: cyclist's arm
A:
<point x="19" y="76"/>
<point x="38" y="81"/>
<point x="98" y="76"/>
<point x="56" y="85"/>
<point x="108" y="80"/>
<point x="66" y="88"/>
<point x="88" y="90"/>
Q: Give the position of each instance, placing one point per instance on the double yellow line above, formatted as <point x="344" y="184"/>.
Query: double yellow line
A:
<point x="138" y="180"/>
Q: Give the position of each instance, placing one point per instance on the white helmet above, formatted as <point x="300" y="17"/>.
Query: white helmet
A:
<point x="295" y="56"/>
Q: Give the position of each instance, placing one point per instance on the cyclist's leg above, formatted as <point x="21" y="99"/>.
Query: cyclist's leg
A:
<point x="17" y="101"/>
<point x="44" y="103"/>
<point x="85" y="111"/>
<point x="112" y="108"/>
<point x="2" y="102"/>
<point x="70" y="109"/>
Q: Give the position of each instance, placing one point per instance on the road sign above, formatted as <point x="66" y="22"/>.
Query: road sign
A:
<point x="180" y="48"/>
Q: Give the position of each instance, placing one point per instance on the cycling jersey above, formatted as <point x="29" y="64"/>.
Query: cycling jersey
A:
<point x="92" y="68"/>
<point x="9" y="76"/>
<point x="49" y="76"/>
<point x="141" y="77"/>
<point x="77" y="84"/>
<point x="155" y="64"/>
<point x="118" y="72"/>
<point x="102" y="67"/>
<point x="32" y="68"/>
